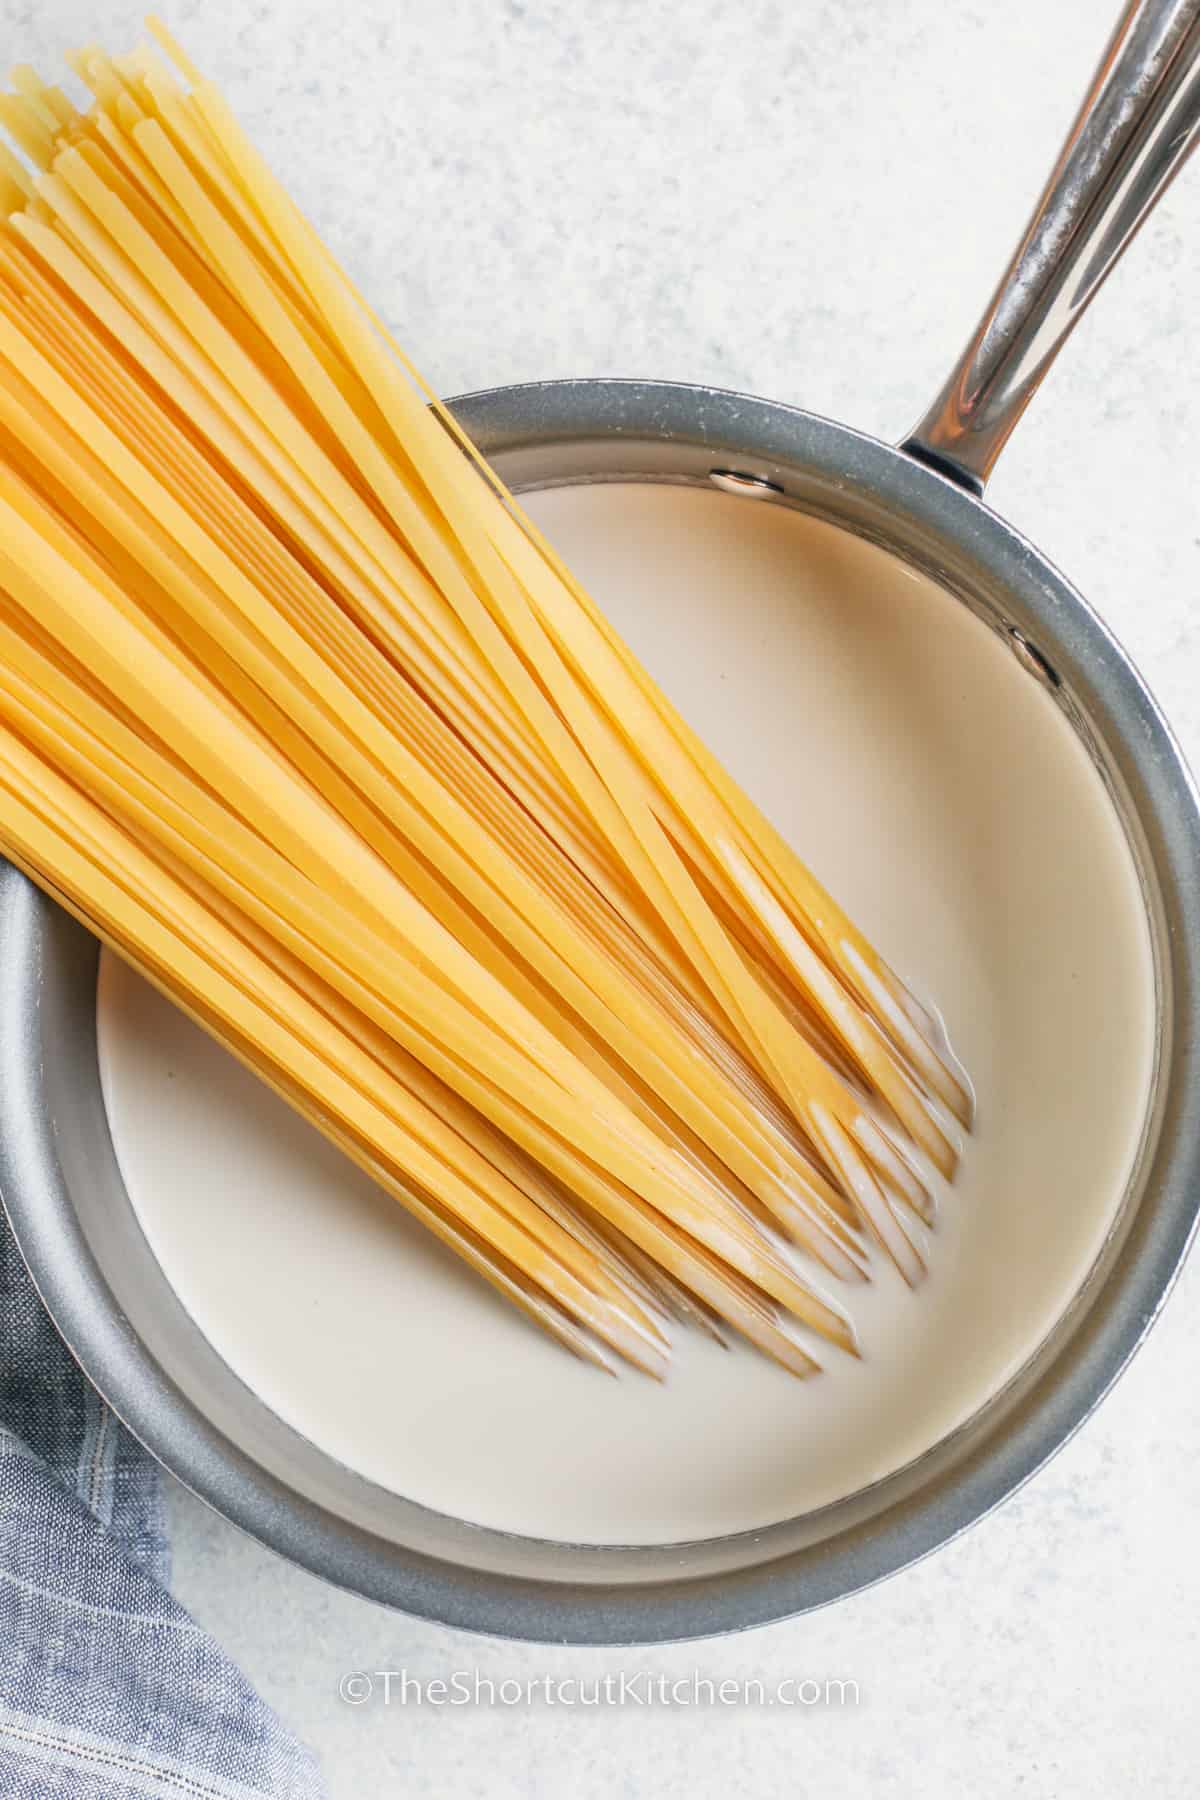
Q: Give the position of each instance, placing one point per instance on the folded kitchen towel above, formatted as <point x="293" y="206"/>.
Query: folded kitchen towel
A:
<point x="108" y="1690"/>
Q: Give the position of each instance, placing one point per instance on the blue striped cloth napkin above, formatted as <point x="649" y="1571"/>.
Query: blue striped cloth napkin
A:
<point x="108" y="1689"/>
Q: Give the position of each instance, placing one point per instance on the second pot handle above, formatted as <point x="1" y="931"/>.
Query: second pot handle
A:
<point x="1138" y="122"/>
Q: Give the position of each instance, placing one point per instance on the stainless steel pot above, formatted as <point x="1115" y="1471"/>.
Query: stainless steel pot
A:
<point x="60" y="1180"/>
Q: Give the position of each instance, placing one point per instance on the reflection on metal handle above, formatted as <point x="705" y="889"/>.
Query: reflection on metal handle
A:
<point x="1139" y="120"/>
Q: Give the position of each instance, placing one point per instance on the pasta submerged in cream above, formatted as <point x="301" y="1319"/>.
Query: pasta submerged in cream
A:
<point x="938" y="790"/>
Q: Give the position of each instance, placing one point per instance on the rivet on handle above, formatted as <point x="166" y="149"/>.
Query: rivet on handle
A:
<point x="740" y="482"/>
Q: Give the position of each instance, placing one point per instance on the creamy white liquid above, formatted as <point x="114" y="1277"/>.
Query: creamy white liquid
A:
<point x="936" y="790"/>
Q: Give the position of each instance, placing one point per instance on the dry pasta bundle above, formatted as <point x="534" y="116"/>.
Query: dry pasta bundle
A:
<point x="301" y="715"/>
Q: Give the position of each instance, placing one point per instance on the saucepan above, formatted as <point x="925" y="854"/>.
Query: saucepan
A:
<point x="920" y="501"/>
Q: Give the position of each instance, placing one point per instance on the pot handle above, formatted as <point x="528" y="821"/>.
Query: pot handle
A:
<point x="1138" y="122"/>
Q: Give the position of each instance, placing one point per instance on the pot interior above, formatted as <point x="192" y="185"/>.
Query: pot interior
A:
<point x="197" y="1391"/>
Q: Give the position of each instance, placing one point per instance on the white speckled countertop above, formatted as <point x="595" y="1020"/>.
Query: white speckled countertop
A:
<point x="809" y="201"/>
